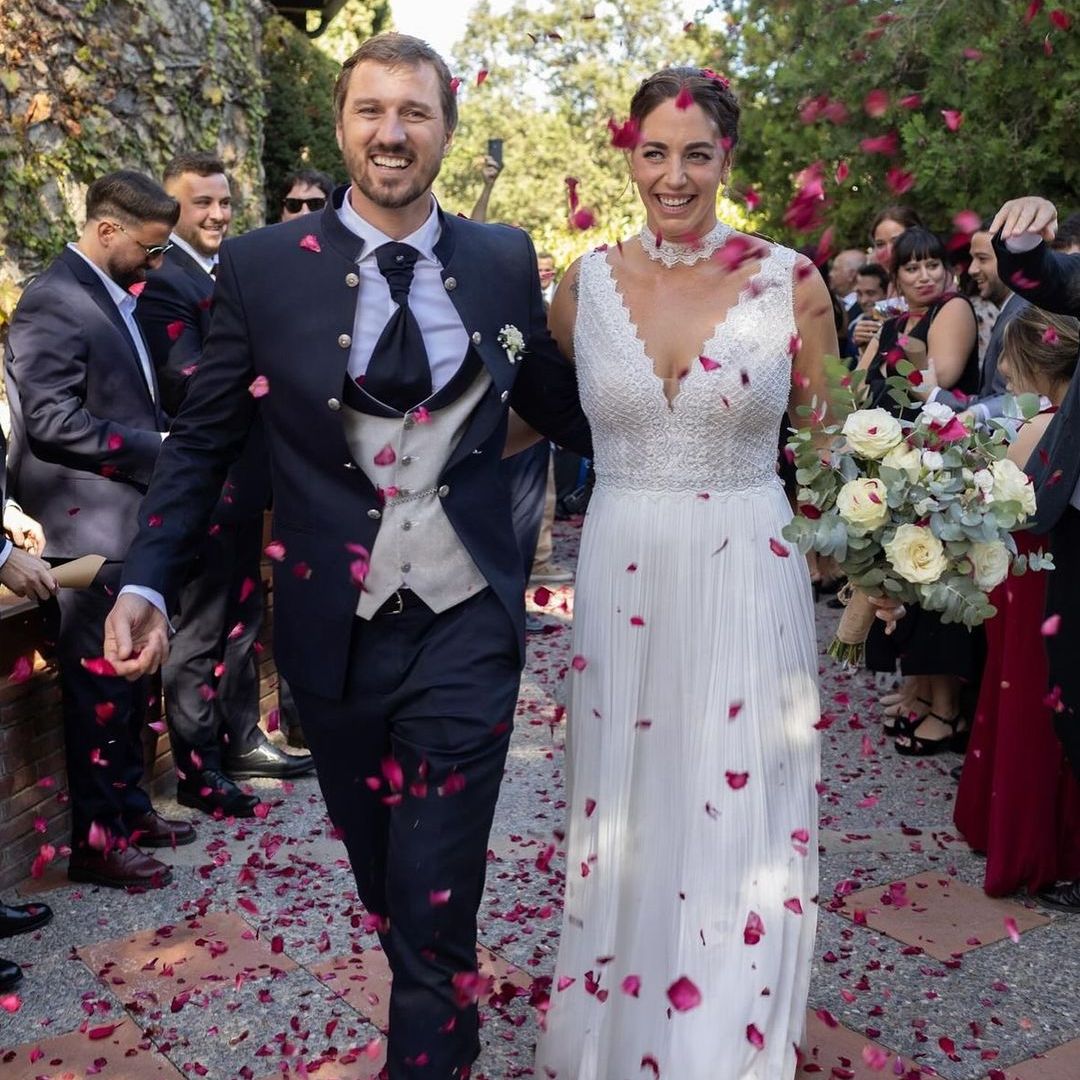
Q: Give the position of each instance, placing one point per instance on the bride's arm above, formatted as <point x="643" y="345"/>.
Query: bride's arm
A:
<point x="817" y="340"/>
<point x="563" y="312"/>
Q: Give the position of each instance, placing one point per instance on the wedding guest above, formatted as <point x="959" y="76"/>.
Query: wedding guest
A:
<point x="1018" y="801"/>
<point x="1067" y="240"/>
<point x="490" y="168"/>
<point x="842" y="272"/>
<point x="936" y="659"/>
<point x="885" y="228"/>
<point x="305" y="192"/>
<point x="1051" y="280"/>
<point x="87" y="428"/>
<point x="545" y="267"/>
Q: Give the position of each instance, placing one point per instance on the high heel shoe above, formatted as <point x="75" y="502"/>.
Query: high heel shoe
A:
<point x="904" y="723"/>
<point x="908" y="744"/>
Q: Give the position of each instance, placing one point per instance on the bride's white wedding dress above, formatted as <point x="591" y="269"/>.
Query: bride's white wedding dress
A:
<point x="692" y="756"/>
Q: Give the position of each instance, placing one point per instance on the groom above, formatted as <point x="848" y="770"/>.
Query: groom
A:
<point x="388" y="372"/>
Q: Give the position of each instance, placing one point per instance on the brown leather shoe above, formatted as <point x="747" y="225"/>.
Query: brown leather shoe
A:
<point x="154" y="831"/>
<point x="119" y="869"/>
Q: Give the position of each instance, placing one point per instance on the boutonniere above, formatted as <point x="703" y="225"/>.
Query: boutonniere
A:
<point x="513" y="341"/>
<point x="310" y="243"/>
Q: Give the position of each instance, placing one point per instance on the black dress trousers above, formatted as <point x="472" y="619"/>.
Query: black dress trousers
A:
<point x="1063" y="648"/>
<point x="409" y="763"/>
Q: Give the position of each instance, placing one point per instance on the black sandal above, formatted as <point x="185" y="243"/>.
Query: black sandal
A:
<point x="905" y="724"/>
<point x="916" y="746"/>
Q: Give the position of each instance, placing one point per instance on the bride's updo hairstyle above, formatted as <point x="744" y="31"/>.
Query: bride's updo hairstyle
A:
<point x="709" y="90"/>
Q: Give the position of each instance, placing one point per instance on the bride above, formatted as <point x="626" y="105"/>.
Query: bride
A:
<point x="692" y="755"/>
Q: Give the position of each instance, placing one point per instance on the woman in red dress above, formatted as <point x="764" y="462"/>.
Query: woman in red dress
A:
<point x="1018" y="801"/>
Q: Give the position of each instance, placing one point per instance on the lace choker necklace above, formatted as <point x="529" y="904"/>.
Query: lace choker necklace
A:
<point x="671" y="253"/>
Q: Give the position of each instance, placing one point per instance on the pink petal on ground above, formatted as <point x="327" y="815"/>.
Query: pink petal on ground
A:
<point x="1011" y="929"/>
<point x="683" y="994"/>
<point x="102" y="1032"/>
<point x="10" y="1003"/>
<point x="874" y="1057"/>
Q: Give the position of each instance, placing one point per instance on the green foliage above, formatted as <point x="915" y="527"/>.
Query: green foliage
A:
<point x="352" y="25"/>
<point x="125" y="85"/>
<point x="299" y="109"/>
<point x="1016" y="84"/>
<point x="556" y="76"/>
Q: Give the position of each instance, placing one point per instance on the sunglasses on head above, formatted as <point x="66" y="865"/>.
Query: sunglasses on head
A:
<point x="294" y="206"/>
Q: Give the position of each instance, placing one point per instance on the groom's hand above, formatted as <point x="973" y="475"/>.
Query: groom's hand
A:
<point x="1031" y="214"/>
<point x="136" y="637"/>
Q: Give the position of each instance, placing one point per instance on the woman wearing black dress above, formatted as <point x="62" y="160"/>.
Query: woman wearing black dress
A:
<point x="936" y="660"/>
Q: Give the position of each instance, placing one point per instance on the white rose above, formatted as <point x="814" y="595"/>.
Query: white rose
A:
<point x="905" y="458"/>
<point x="936" y="412"/>
<point x="916" y="554"/>
<point x="983" y="480"/>
<point x="863" y="503"/>
<point x="932" y="460"/>
<point x="872" y="432"/>
<point x="1012" y="484"/>
<point x="990" y="563"/>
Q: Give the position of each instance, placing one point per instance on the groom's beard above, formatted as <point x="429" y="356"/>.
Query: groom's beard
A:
<point x="385" y="192"/>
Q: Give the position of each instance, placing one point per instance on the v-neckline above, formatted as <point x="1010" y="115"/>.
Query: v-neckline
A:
<point x="704" y="349"/>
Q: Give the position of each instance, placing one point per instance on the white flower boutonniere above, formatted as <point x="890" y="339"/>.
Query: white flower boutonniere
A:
<point x="513" y="341"/>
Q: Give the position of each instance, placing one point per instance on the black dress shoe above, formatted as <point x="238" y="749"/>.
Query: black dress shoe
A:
<point x="22" y="918"/>
<point x="214" y="793"/>
<point x="10" y="974"/>
<point x="267" y="760"/>
<point x="153" y="831"/>
<point x="1065" y="896"/>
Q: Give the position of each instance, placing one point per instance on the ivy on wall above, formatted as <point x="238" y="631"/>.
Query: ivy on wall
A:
<point x="103" y="84"/>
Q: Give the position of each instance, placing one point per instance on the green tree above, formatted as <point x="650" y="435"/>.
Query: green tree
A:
<point x="983" y="98"/>
<point x="556" y="74"/>
<point x="300" y="92"/>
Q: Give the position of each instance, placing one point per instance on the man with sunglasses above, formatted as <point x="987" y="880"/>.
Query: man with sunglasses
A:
<point x="306" y="192"/>
<point x="86" y="429"/>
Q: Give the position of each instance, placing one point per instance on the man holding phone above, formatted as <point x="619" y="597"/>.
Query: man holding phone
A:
<point x="490" y="169"/>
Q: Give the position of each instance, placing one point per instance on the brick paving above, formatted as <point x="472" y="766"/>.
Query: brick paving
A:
<point x="251" y="965"/>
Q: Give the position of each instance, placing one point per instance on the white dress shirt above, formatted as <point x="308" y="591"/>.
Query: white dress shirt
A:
<point x="445" y="338"/>
<point x="125" y="304"/>
<point x="207" y="262"/>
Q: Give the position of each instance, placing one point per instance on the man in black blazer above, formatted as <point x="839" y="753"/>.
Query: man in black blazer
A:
<point x="87" y="429"/>
<point x="398" y="618"/>
<point x="211" y="680"/>
<point x="1023" y="229"/>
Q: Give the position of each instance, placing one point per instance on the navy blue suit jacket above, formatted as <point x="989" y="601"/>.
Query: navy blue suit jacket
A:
<point x="321" y="500"/>
<point x="84" y="428"/>
<point x="1050" y="280"/>
<point x="174" y="313"/>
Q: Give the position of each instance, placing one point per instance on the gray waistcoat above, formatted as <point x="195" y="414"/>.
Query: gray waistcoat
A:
<point x="416" y="546"/>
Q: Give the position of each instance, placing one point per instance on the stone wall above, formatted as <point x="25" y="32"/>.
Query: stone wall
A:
<point x="87" y="86"/>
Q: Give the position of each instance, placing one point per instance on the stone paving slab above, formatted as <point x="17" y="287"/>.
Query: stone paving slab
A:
<point x="940" y="915"/>
<point x="831" y="1050"/>
<point x="1062" y="1063"/>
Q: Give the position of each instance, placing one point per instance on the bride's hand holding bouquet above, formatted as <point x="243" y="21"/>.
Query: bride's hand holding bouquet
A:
<point x="913" y="512"/>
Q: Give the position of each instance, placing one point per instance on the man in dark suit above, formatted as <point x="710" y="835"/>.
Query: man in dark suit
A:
<point x="990" y="400"/>
<point x="1023" y="229"/>
<point x="87" y="428"/>
<point x="211" y="680"/>
<point x="398" y="585"/>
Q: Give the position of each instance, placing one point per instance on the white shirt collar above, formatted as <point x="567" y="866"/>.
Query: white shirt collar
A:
<point x="119" y="295"/>
<point x="207" y="262"/>
<point x="424" y="239"/>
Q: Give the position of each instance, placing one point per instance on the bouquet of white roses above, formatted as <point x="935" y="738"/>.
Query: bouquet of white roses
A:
<point x="920" y="511"/>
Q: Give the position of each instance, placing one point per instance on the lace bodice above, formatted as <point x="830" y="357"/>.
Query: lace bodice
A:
<point x="720" y="432"/>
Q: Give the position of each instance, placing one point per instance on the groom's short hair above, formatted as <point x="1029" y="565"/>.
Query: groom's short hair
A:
<point x="396" y="50"/>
